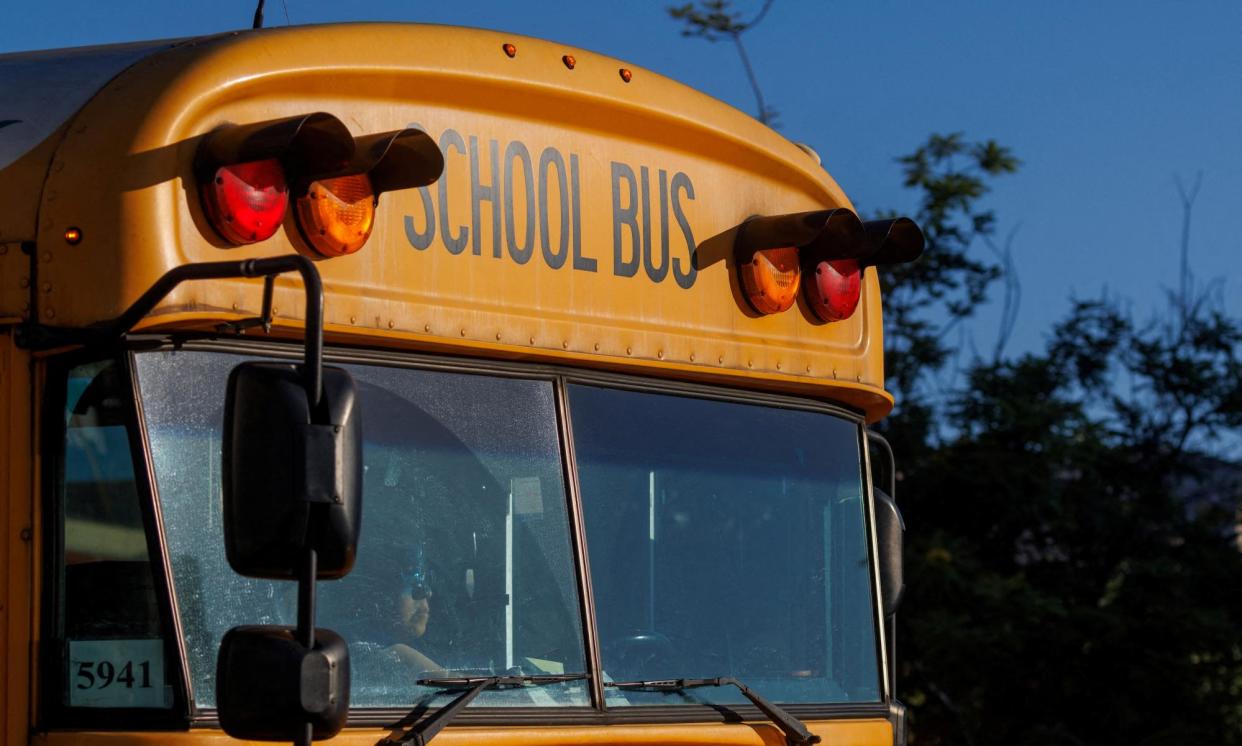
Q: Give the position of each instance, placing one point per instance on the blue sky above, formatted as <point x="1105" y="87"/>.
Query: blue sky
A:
<point x="1106" y="104"/>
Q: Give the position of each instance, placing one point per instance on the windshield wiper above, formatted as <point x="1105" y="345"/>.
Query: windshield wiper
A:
<point x="428" y="729"/>
<point x="795" y="732"/>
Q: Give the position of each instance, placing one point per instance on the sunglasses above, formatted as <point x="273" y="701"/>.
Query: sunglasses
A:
<point x="417" y="584"/>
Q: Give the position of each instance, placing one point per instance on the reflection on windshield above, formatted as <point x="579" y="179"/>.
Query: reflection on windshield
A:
<point x="726" y="540"/>
<point x="464" y="565"/>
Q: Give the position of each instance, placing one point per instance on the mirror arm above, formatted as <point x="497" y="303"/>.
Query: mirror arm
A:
<point x="879" y="440"/>
<point x="266" y="268"/>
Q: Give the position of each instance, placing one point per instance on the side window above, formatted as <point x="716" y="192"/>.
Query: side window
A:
<point x="109" y="648"/>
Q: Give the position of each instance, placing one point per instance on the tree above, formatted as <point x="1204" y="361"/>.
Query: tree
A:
<point x="714" y="20"/>
<point x="1073" y="547"/>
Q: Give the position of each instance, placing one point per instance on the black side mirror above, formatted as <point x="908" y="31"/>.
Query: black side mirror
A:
<point x="292" y="477"/>
<point x="292" y="463"/>
<point x="276" y="685"/>
<point x="890" y="529"/>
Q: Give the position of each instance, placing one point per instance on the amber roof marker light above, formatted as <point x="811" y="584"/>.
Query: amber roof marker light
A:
<point x="335" y="211"/>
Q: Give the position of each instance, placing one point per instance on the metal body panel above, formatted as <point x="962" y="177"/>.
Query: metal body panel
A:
<point x="17" y="542"/>
<point x="572" y="171"/>
<point x="39" y="93"/>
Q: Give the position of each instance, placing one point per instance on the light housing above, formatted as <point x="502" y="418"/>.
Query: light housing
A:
<point x="831" y="248"/>
<point x="335" y="211"/>
<point x="244" y="172"/>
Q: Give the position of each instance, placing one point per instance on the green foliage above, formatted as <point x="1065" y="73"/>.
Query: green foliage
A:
<point x="926" y="299"/>
<point x="716" y="20"/>
<point x="1073" y="550"/>
<point x="711" y="19"/>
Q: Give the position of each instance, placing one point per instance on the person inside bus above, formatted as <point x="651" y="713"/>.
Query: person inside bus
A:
<point x="413" y="612"/>
<point x="394" y="617"/>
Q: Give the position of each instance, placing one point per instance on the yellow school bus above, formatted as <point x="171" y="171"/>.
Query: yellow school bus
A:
<point x="614" y="347"/>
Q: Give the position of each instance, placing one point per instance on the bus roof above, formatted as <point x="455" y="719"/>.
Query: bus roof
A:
<point x="585" y="214"/>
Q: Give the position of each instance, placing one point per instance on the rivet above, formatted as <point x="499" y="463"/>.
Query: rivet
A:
<point x="463" y="332"/>
<point x="24" y="282"/>
<point x="532" y="340"/>
<point x="58" y="166"/>
<point x="353" y="320"/>
<point x="47" y="257"/>
<point x="47" y="287"/>
<point x="626" y="75"/>
<point x="565" y="345"/>
<point x="234" y="306"/>
<point x="629" y="351"/>
<point x="660" y="354"/>
<point x="720" y="360"/>
<point x="808" y="369"/>
<point x="858" y="378"/>
<point x="834" y="372"/>
<point x="391" y="323"/>
<point x="50" y="313"/>
<point x="510" y="50"/>
<point x="497" y="336"/>
<point x="569" y="61"/>
<point x="778" y="366"/>
<point x="427" y="328"/>
<point x="597" y="346"/>
<point x="692" y="357"/>
<point x="26" y="534"/>
<point x="750" y="363"/>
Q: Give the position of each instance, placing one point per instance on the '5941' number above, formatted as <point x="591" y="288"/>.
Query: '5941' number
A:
<point x="104" y="674"/>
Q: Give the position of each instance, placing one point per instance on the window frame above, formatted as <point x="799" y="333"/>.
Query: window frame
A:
<point x="52" y="713"/>
<point x="561" y="376"/>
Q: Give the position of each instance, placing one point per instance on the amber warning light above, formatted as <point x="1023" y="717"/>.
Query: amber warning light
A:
<point x="247" y="175"/>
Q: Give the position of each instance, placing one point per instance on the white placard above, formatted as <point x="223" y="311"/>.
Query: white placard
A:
<point x="116" y="673"/>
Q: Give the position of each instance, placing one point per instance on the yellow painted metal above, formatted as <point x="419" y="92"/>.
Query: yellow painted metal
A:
<point x="572" y="170"/>
<point x="17" y="536"/>
<point x="836" y="732"/>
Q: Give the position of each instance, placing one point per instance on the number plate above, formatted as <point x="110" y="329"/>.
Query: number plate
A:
<point x="116" y="673"/>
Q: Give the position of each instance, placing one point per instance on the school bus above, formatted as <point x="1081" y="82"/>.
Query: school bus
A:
<point x="608" y="349"/>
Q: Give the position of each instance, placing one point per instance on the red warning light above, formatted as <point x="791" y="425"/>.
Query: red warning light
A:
<point x="245" y="202"/>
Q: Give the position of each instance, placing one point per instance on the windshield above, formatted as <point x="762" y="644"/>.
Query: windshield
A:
<point x="726" y="539"/>
<point x="464" y="564"/>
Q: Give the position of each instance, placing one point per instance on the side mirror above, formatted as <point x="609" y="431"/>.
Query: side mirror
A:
<point x="292" y="477"/>
<point x="292" y="463"/>
<point x="890" y="530"/>
<point x="277" y="686"/>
